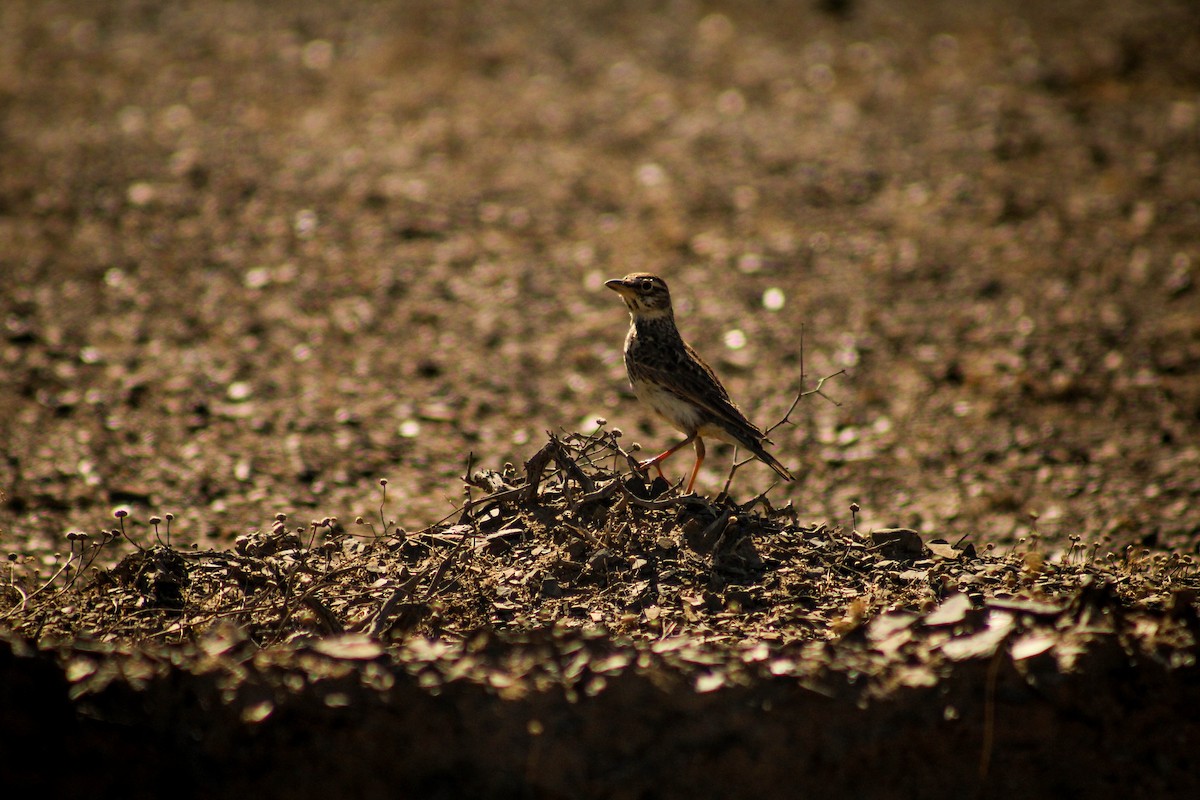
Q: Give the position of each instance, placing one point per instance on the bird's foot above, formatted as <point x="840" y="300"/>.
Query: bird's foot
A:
<point x="644" y="466"/>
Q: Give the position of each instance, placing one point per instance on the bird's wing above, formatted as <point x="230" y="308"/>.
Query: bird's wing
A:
<point x="694" y="381"/>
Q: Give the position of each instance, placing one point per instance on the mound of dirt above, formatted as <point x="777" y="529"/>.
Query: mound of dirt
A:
<point x="579" y="632"/>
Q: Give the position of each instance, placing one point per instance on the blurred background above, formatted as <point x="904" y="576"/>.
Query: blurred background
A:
<point x="256" y="256"/>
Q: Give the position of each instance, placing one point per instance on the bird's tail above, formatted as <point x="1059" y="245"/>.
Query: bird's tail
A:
<point x="762" y="455"/>
<point x="755" y="446"/>
<point x="753" y="439"/>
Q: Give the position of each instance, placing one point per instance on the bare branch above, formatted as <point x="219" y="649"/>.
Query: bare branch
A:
<point x="733" y="470"/>
<point x="534" y="468"/>
<point x="787" y="418"/>
<point x="818" y="389"/>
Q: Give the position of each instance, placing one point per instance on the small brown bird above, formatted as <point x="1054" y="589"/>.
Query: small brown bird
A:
<point x="668" y="376"/>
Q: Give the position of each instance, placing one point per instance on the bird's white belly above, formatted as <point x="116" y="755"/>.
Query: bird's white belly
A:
<point x="680" y="414"/>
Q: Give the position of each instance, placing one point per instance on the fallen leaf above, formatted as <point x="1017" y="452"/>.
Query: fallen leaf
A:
<point x="982" y="643"/>
<point x="352" y="646"/>
<point x="952" y="611"/>
<point x="1032" y="644"/>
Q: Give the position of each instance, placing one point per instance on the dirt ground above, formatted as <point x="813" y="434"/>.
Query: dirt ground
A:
<point x="256" y="257"/>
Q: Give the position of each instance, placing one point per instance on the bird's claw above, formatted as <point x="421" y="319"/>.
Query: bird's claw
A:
<point x="644" y="466"/>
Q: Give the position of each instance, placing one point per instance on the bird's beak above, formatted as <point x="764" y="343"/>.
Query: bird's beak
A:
<point x="617" y="285"/>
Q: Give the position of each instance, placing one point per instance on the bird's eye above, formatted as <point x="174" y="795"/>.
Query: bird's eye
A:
<point x="647" y="285"/>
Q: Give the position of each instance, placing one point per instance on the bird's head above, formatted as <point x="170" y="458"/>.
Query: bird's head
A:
<point x="645" y="294"/>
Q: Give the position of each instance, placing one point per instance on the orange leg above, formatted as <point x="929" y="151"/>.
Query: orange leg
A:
<point x="661" y="457"/>
<point x="699" y="461"/>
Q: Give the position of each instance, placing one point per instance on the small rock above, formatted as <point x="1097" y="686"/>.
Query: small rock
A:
<point x="898" y="543"/>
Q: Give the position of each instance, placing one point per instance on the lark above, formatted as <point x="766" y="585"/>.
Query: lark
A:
<point x="668" y="376"/>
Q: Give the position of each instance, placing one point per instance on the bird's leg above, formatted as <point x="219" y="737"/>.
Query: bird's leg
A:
<point x="699" y="461"/>
<point x="661" y="457"/>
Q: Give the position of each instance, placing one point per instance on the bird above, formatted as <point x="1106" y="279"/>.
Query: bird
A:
<point x="669" y="376"/>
